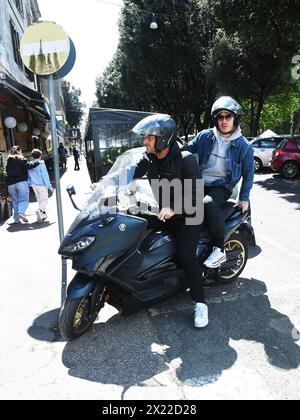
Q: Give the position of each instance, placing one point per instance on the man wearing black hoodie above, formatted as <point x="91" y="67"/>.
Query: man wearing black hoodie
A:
<point x="165" y="161"/>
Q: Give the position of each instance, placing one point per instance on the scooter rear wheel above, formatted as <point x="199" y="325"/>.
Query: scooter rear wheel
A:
<point x="237" y="255"/>
<point x="76" y="316"/>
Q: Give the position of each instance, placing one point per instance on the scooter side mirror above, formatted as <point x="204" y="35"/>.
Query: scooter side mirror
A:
<point x="71" y="190"/>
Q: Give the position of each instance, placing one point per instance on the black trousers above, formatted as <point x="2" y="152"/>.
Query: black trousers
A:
<point x="214" y="197"/>
<point x="76" y="163"/>
<point x="63" y="162"/>
<point x="186" y="240"/>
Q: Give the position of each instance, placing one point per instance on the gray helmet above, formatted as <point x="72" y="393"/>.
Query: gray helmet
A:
<point x="162" y="126"/>
<point x="226" y="103"/>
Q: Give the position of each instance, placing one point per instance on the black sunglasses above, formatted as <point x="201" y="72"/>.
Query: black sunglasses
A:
<point x="224" y="117"/>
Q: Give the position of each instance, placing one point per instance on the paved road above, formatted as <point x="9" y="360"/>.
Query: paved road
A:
<point x="251" y="348"/>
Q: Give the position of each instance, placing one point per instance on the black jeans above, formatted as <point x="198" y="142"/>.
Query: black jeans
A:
<point x="186" y="240"/>
<point x="214" y="197"/>
<point x="76" y="163"/>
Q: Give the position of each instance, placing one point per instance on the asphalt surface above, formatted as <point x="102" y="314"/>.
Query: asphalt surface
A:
<point x="250" y="350"/>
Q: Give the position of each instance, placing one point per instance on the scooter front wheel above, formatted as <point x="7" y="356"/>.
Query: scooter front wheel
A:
<point x="77" y="315"/>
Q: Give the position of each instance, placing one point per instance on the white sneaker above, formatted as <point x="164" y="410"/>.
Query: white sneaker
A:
<point x="44" y="215"/>
<point x="21" y="216"/>
<point x="39" y="216"/>
<point x="201" y="315"/>
<point x="216" y="258"/>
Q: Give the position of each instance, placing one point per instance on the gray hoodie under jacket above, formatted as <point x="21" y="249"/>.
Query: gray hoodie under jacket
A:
<point x="216" y="165"/>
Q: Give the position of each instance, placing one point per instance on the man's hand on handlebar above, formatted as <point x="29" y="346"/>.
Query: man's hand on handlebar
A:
<point x="243" y="205"/>
<point x="165" y="214"/>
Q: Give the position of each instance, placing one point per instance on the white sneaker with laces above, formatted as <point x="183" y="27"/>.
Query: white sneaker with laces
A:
<point x="201" y="315"/>
<point x="216" y="258"/>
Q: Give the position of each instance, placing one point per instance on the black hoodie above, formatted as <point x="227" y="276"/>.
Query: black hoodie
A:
<point x="16" y="169"/>
<point x="176" y="165"/>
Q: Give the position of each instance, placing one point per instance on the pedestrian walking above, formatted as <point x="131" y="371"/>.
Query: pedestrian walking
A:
<point x="63" y="153"/>
<point x="17" y="180"/>
<point x="76" y="155"/>
<point x="40" y="182"/>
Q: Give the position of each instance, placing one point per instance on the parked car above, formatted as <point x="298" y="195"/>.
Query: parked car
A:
<point x="286" y="157"/>
<point x="263" y="149"/>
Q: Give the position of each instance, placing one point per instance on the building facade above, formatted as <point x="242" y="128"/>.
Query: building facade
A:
<point x="15" y="17"/>
<point x="21" y="92"/>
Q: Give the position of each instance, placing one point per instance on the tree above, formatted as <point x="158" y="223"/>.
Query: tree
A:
<point x="202" y="49"/>
<point x="74" y="108"/>
<point x="282" y="107"/>
<point x="253" y="49"/>
<point x="109" y="91"/>
<point x="162" y="70"/>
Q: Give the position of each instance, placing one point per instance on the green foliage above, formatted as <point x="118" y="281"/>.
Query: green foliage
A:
<point x="74" y="108"/>
<point x="110" y="155"/>
<point x="161" y="70"/>
<point x="251" y="55"/>
<point x="281" y="107"/>
<point x="203" y="49"/>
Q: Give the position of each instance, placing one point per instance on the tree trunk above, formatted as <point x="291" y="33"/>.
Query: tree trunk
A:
<point x="198" y="123"/>
<point x="255" y="127"/>
<point x="207" y="119"/>
<point x="295" y="123"/>
<point x="252" y="113"/>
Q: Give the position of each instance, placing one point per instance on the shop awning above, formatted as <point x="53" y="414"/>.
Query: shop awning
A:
<point x="34" y="100"/>
<point x="108" y="116"/>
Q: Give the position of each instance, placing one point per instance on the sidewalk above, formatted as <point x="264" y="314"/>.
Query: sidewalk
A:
<point x="31" y="286"/>
<point x="250" y="350"/>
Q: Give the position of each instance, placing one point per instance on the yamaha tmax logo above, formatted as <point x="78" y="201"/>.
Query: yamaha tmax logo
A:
<point x="122" y="227"/>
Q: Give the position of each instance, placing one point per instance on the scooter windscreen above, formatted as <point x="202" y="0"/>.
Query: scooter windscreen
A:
<point x="119" y="192"/>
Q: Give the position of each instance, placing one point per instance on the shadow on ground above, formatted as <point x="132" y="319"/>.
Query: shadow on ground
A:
<point x="21" y="227"/>
<point x="44" y="328"/>
<point x="130" y="351"/>
<point x="288" y="189"/>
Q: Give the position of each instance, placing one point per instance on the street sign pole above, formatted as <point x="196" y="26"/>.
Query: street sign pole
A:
<point x="57" y="181"/>
<point x="47" y="51"/>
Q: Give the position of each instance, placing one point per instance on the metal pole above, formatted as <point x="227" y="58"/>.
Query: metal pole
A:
<point x="57" y="182"/>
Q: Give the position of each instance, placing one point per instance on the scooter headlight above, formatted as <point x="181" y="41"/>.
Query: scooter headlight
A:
<point x="80" y="245"/>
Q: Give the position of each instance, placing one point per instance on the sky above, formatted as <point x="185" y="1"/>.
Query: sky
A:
<point x="93" y="27"/>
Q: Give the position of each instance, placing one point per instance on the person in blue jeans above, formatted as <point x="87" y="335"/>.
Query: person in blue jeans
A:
<point x="39" y="179"/>
<point x="17" y="180"/>
<point x="225" y="156"/>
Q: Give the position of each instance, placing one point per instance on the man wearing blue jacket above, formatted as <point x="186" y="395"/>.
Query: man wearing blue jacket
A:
<point x="225" y="156"/>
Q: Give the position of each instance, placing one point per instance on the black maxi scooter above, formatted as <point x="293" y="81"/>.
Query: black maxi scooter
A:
<point x="119" y="261"/>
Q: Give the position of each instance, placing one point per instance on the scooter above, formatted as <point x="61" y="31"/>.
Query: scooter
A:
<point x="121" y="262"/>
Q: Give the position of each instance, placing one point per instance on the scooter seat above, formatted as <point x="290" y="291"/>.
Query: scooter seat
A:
<point x="228" y="210"/>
